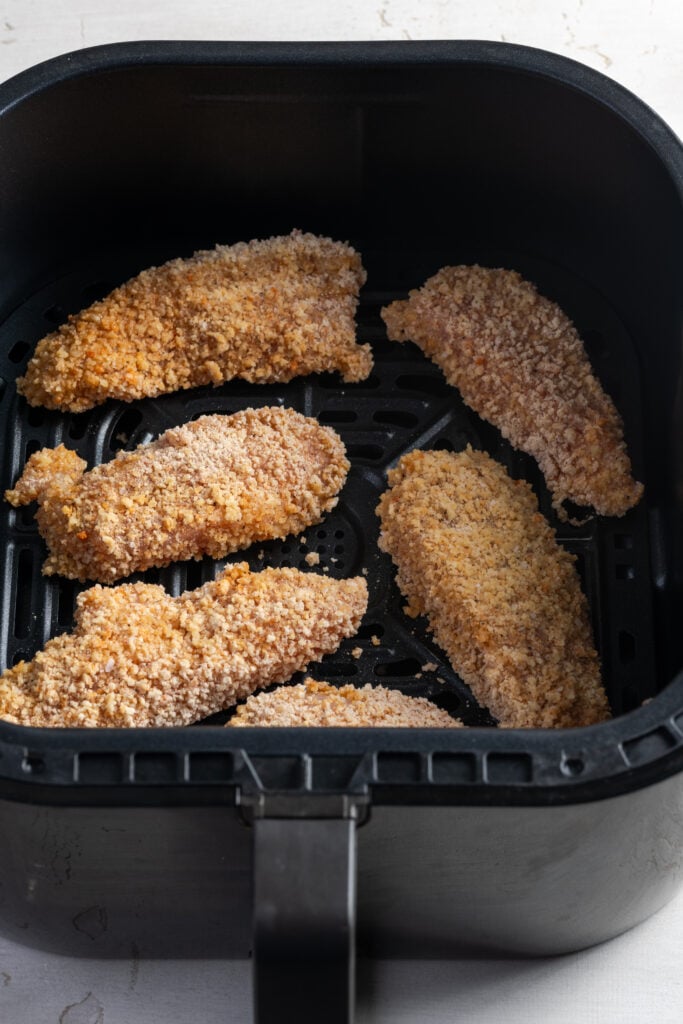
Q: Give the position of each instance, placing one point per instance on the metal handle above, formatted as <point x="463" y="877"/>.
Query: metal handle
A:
<point x="304" y="920"/>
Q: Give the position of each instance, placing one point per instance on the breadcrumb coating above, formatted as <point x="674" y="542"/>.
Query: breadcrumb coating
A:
<point x="263" y="311"/>
<point x="314" y="703"/>
<point x="138" y="657"/>
<point x="206" y="488"/>
<point x="518" y="361"/>
<point x="503" y="598"/>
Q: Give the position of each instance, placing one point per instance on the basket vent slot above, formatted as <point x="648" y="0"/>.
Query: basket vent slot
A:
<point x="423" y="383"/>
<point x="78" y="425"/>
<point x="369" y="630"/>
<point x="66" y="602"/>
<point x="508" y="769"/>
<point x="339" y="669"/>
<point x="332" y="383"/>
<point x="156" y="767"/>
<point x="97" y="768"/>
<point x="649" y="747"/>
<point x="124" y="429"/>
<point x="22" y="602"/>
<point x="211" y="766"/>
<point x="402" y="668"/>
<point x="55" y="315"/>
<point x="194" y="575"/>
<point x="31" y="447"/>
<point x="395" y="418"/>
<point x="443" y="444"/>
<point x="448" y="701"/>
<point x="337" y="416"/>
<point x="210" y="412"/>
<point x="450" y="769"/>
<point x="95" y="291"/>
<point x="33" y="764"/>
<point x="18" y="350"/>
<point x="35" y="415"/>
<point x="368" y="452"/>
<point x="397" y="768"/>
<point x="333" y="772"/>
<point x="279" y="772"/>
<point x="26" y="516"/>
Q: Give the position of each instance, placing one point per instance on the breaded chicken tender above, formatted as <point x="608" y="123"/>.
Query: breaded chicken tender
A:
<point x="138" y="657"/>
<point x="262" y="311"/>
<point x="518" y="361"/>
<point x="503" y="598"/>
<point x="314" y="703"/>
<point x="206" y="488"/>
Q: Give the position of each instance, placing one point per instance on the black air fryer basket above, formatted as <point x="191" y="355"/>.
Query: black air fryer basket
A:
<point x="212" y="842"/>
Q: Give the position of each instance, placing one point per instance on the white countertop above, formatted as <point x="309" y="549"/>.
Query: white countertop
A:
<point x="635" y="979"/>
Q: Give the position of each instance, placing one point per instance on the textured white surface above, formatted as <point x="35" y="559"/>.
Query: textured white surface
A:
<point x="637" y="42"/>
<point x="635" y="979"/>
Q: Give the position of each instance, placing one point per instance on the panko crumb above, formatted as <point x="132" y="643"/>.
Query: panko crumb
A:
<point x="210" y="487"/>
<point x="262" y="311"/>
<point x="138" y="657"/>
<point x="430" y="666"/>
<point x="312" y="558"/>
<point x="375" y="640"/>
<point x="518" y="361"/>
<point x="356" y="652"/>
<point x="317" y="704"/>
<point x="503" y="598"/>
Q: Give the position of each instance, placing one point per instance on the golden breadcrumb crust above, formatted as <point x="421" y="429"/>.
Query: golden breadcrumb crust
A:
<point x="518" y="361"/>
<point x="503" y="598"/>
<point x="206" y="488"/>
<point x="314" y="703"/>
<point x="262" y="310"/>
<point x="138" y="657"/>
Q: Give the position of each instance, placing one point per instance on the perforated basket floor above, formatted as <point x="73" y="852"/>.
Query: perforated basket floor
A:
<point x="405" y="404"/>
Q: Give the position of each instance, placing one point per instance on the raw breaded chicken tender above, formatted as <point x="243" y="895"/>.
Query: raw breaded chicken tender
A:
<point x="314" y="703"/>
<point x="262" y="311"/>
<point x="138" y="657"/>
<point x="503" y="598"/>
<point x="518" y="361"/>
<point x="207" y="488"/>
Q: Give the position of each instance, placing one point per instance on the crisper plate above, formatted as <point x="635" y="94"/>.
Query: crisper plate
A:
<point x="404" y="404"/>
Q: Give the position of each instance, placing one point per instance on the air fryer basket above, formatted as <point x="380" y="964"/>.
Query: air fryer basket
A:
<point x="422" y="155"/>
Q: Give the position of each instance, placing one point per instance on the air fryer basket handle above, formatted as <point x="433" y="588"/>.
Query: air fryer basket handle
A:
<point x="304" y="920"/>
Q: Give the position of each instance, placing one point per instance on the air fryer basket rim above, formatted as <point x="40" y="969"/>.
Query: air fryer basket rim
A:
<point x="547" y="766"/>
<point x="515" y="56"/>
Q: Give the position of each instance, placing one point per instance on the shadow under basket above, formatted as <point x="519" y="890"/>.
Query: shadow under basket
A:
<point x="292" y="845"/>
